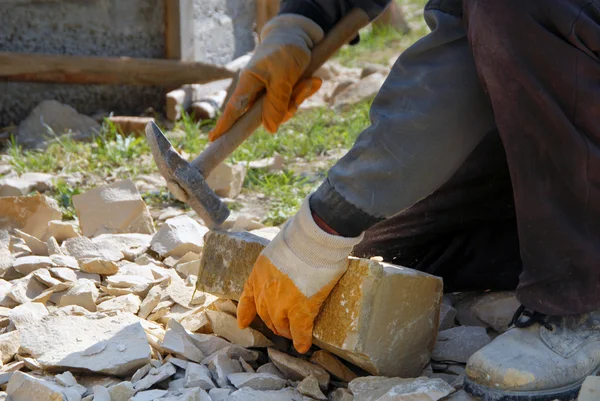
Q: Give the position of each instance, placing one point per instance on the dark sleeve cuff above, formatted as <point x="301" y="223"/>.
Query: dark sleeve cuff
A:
<point x="326" y="13"/>
<point x="345" y="218"/>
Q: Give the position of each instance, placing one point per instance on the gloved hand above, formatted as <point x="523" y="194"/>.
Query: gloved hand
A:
<point x="277" y="65"/>
<point x="293" y="276"/>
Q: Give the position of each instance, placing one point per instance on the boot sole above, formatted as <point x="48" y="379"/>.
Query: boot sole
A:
<point x="566" y="393"/>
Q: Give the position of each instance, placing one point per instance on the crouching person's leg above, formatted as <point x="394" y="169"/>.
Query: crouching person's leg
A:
<point x="539" y="62"/>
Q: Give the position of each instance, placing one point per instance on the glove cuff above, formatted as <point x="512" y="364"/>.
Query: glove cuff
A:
<point x="309" y="256"/>
<point x="304" y="27"/>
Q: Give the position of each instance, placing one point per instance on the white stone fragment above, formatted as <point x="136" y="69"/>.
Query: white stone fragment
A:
<point x="257" y="381"/>
<point x="125" y="303"/>
<point x="25" y="314"/>
<point x="84" y="293"/>
<point x="221" y="367"/>
<point x="122" y="391"/>
<point x="197" y="375"/>
<point x="178" y="236"/>
<point x="29" y="264"/>
<point x="225" y="325"/>
<point x="101" y="393"/>
<point x="178" y="341"/>
<point x="112" y="209"/>
<point x="25" y="387"/>
<point x="62" y="230"/>
<point x="112" y="345"/>
<point x="149" y="395"/>
<point x="154" y="376"/>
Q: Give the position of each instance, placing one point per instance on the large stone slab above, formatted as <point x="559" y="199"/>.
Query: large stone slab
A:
<point x="29" y="214"/>
<point x="381" y="317"/>
<point x="227" y="261"/>
<point x="113" y="345"/>
<point x="112" y="209"/>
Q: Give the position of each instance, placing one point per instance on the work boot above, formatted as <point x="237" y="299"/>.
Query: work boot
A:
<point x="542" y="358"/>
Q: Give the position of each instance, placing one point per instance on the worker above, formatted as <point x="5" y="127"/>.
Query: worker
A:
<point x="481" y="164"/>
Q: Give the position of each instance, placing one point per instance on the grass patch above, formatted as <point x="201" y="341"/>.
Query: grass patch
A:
<point x="309" y="136"/>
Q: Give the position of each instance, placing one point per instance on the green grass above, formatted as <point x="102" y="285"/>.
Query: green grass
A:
<point x="310" y="136"/>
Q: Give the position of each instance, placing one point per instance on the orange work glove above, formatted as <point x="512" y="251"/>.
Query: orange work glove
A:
<point x="276" y="66"/>
<point x="293" y="276"/>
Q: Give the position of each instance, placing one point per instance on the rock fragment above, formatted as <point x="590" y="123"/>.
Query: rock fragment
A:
<point x="62" y="230"/>
<point x="298" y="369"/>
<point x="197" y="375"/>
<point x="447" y="316"/>
<point x="333" y="366"/>
<point x="150" y="301"/>
<point x="219" y="394"/>
<point x="341" y="394"/>
<point x="28" y="313"/>
<point x="127" y="125"/>
<point x="179" y="342"/>
<point x="29" y="214"/>
<point x="112" y="345"/>
<point x="84" y="293"/>
<point x="459" y="343"/>
<point x="178" y="236"/>
<point x="29" y="264"/>
<point x="227" y="180"/>
<point x="53" y="247"/>
<point x="51" y="118"/>
<point x="310" y="388"/>
<point x="221" y="367"/>
<point x="125" y="303"/>
<point x="132" y="245"/>
<point x="99" y="266"/>
<point x="248" y="394"/>
<point x="25" y="183"/>
<point x="364" y="89"/>
<point x="154" y="376"/>
<point x="25" y="387"/>
<point x="150" y="395"/>
<point x="37" y="247"/>
<point x="25" y="289"/>
<point x="269" y="368"/>
<point x="590" y="389"/>
<point x="6" y="257"/>
<point x="101" y="393"/>
<point x="83" y="248"/>
<point x="9" y="345"/>
<point x="66" y="379"/>
<point x="496" y="309"/>
<point x="257" y="381"/>
<point x="375" y="388"/>
<point x="225" y="325"/>
<point x="122" y="391"/>
<point x="114" y="208"/>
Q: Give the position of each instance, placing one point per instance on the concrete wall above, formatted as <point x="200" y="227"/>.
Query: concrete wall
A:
<point x="133" y="28"/>
<point x="224" y="29"/>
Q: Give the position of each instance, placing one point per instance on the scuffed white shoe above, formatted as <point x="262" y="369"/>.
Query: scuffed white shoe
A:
<point x="543" y="358"/>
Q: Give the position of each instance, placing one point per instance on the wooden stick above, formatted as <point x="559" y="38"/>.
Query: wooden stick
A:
<point x="106" y="70"/>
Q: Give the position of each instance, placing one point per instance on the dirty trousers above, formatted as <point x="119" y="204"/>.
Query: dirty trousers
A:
<point x="482" y="161"/>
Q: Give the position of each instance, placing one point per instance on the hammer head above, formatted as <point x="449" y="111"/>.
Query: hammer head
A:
<point x="184" y="180"/>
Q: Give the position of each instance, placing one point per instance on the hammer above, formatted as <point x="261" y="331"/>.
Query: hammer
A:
<point x="186" y="181"/>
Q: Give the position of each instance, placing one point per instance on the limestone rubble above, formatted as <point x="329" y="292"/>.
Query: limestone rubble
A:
<point x="112" y="315"/>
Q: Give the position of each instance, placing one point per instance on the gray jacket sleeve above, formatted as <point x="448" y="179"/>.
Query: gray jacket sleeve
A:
<point x="326" y="13"/>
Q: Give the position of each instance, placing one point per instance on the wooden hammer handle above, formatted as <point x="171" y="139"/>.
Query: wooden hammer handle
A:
<point x="343" y="32"/>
